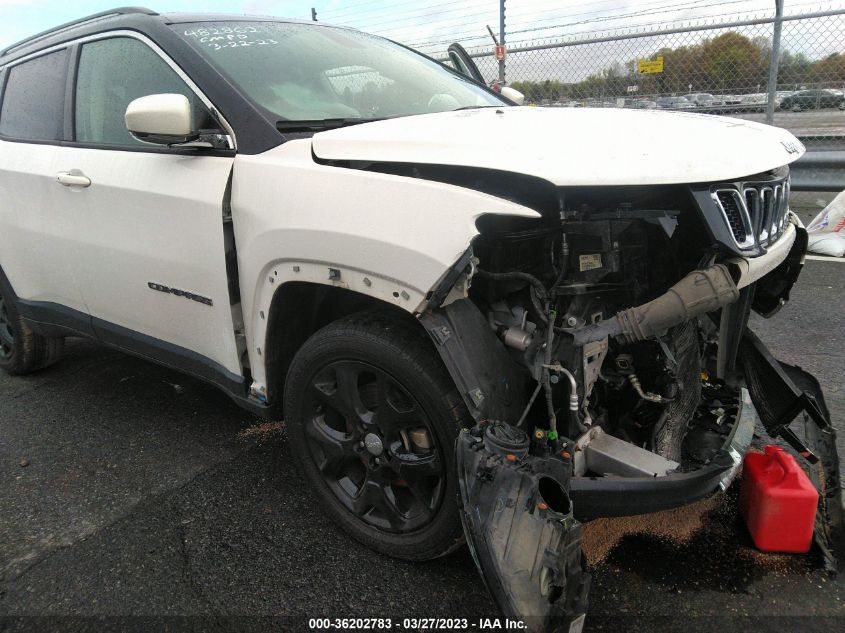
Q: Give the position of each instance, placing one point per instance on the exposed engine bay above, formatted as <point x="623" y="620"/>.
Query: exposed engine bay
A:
<point x="552" y="293"/>
<point x="601" y="311"/>
<point x="600" y="350"/>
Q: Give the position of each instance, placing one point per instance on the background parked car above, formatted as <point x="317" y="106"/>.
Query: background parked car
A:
<point x="675" y="103"/>
<point x="811" y="100"/>
<point x="703" y="99"/>
<point x="759" y="98"/>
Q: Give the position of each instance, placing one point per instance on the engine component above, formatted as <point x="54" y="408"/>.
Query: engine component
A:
<point x="602" y="454"/>
<point x="518" y="520"/>
<point x="645" y="395"/>
<point x="625" y="367"/>
<point x="573" y="385"/>
<point x="512" y="325"/>
<point x="593" y="357"/>
<point x="700" y="292"/>
<point x="517" y="338"/>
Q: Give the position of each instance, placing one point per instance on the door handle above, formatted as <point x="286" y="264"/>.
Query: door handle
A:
<point x="73" y="178"/>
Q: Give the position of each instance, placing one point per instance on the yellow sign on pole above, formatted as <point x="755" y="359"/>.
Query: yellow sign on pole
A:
<point x="648" y="67"/>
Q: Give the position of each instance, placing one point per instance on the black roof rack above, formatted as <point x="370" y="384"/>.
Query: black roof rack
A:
<point x="67" y="25"/>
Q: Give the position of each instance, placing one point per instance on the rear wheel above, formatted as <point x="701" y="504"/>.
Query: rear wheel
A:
<point x="372" y="417"/>
<point x="23" y="351"/>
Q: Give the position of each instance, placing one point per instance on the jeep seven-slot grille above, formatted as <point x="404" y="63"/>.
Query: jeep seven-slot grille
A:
<point x="731" y="206"/>
<point x="755" y="212"/>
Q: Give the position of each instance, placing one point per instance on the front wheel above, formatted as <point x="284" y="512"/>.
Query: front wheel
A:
<point x="372" y="417"/>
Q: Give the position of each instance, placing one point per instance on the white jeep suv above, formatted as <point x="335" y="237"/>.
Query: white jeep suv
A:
<point x="479" y="321"/>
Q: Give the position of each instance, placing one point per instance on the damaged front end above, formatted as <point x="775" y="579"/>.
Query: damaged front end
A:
<point x="603" y="351"/>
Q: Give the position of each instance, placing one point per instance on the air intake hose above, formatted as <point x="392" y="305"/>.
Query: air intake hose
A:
<point x="700" y="292"/>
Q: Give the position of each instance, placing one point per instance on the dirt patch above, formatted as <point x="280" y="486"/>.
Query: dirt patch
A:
<point x="675" y="526"/>
<point x="262" y="432"/>
<point x="702" y="546"/>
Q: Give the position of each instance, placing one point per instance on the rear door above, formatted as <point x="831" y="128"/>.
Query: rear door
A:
<point x="149" y="219"/>
<point x="36" y="233"/>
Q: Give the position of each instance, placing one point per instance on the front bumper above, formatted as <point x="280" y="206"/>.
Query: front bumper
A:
<point x="595" y="497"/>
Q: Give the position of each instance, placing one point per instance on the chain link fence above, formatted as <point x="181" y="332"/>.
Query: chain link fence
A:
<point x="716" y="67"/>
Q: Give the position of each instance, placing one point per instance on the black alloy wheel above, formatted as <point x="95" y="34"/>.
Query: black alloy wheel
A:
<point x="373" y="446"/>
<point x="372" y="417"/>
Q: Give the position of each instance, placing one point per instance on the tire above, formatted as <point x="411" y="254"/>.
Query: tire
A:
<point x="23" y="351"/>
<point x="372" y="418"/>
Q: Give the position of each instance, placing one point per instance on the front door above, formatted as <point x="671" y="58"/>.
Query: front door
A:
<point x="148" y="219"/>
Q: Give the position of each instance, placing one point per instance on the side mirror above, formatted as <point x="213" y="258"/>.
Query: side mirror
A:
<point x="164" y="119"/>
<point x="514" y="95"/>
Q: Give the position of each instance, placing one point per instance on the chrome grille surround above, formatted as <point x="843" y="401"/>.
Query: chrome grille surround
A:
<point x="755" y="212"/>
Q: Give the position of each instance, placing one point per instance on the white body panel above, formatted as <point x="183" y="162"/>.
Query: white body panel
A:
<point x="389" y="236"/>
<point x="35" y="242"/>
<point x="573" y="147"/>
<point x="152" y="217"/>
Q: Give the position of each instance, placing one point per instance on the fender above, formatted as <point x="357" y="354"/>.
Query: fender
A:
<point x="389" y="237"/>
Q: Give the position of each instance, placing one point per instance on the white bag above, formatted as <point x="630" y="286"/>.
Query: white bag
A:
<point x="827" y="230"/>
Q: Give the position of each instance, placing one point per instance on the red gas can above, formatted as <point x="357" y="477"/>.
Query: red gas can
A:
<point x="778" y="501"/>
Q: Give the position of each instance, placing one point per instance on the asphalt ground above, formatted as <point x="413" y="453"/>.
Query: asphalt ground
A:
<point x="134" y="498"/>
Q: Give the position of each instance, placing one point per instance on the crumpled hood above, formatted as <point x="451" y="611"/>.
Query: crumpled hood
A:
<point x="572" y="146"/>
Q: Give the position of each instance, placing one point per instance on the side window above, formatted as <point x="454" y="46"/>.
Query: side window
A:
<point x="112" y="73"/>
<point x="33" y="102"/>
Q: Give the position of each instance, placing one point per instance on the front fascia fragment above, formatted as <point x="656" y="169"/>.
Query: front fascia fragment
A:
<point x="519" y="525"/>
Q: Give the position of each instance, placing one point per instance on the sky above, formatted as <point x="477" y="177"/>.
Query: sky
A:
<point x="430" y="25"/>
<point x="417" y="22"/>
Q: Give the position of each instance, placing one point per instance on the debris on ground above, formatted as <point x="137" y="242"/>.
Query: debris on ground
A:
<point x="262" y="432"/>
<point x="827" y="230"/>
<point x="676" y="525"/>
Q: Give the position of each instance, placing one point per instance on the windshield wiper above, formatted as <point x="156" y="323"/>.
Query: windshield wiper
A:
<point x="318" y="125"/>
<point x="479" y="107"/>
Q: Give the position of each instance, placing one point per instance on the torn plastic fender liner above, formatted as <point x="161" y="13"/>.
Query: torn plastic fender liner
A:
<point x="489" y="381"/>
<point x="520" y="528"/>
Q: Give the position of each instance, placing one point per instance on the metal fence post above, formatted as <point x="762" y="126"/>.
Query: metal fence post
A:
<point x="502" y="39"/>
<point x="773" y="63"/>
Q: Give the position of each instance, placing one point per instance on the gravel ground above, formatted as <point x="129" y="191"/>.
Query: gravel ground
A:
<point x="149" y="500"/>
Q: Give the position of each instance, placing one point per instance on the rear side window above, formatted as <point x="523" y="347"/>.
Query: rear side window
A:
<point x="33" y="102"/>
<point x="112" y="73"/>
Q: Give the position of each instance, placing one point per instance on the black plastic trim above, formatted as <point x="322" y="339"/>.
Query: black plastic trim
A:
<point x="595" y="497"/>
<point x="53" y="319"/>
<point x="74" y="52"/>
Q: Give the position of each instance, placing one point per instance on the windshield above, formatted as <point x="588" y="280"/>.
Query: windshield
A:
<point x="307" y="72"/>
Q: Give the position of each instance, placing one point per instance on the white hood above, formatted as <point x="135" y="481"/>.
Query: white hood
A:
<point x="572" y="146"/>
